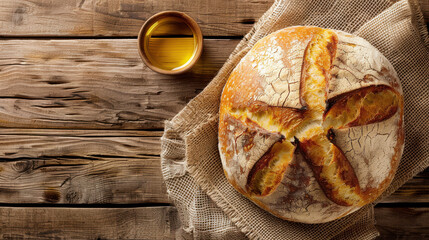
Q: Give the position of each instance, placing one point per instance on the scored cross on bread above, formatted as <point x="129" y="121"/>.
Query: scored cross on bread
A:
<point x="287" y="100"/>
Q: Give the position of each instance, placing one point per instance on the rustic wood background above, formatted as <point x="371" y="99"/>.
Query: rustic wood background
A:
<point x="81" y="117"/>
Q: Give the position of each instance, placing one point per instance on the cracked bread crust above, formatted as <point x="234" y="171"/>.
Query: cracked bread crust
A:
<point x="311" y="124"/>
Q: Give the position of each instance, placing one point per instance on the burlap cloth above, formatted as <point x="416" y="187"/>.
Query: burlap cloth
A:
<point x="210" y="208"/>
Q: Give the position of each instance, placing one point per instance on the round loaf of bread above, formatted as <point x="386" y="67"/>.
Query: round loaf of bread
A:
<point x="311" y="124"/>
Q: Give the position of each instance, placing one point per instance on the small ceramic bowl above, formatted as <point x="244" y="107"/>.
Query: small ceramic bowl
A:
<point x="196" y="34"/>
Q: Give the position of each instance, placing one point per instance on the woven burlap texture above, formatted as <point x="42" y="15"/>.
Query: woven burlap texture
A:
<point x="210" y="208"/>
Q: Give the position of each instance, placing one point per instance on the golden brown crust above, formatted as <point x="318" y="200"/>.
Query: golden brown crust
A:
<point x="343" y="172"/>
<point x="323" y="47"/>
<point x="262" y="165"/>
<point x="278" y="95"/>
<point x="372" y="104"/>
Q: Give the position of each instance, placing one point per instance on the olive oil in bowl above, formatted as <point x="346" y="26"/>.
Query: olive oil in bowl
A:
<point x="171" y="44"/>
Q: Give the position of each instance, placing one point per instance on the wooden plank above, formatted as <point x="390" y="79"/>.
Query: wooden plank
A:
<point x="88" y="223"/>
<point x="402" y="223"/>
<point x="415" y="190"/>
<point x="42" y="143"/>
<point x="80" y="166"/>
<point x="158" y="223"/>
<point x="123" y="17"/>
<point x="105" y="85"/>
<point x="74" y="180"/>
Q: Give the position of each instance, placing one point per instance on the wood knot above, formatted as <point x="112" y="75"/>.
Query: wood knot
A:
<point x="22" y="166"/>
<point x="18" y="16"/>
<point x="128" y="116"/>
<point x="51" y="195"/>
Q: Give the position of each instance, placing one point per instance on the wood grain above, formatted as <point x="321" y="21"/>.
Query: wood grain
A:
<point x="111" y="166"/>
<point x="88" y="223"/>
<point x="402" y="223"/>
<point x="80" y="166"/>
<point x="158" y="223"/>
<point x="41" y="143"/>
<point x="415" y="190"/>
<point x="82" y="181"/>
<point x="105" y="85"/>
<point x="124" y="17"/>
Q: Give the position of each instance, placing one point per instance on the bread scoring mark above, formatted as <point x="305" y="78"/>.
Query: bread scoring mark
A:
<point x="332" y="170"/>
<point x="357" y="108"/>
<point x="268" y="171"/>
<point x="274" y="119"/>
<point x="246" y="144"/>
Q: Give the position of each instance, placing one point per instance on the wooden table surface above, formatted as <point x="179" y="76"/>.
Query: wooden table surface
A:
<point x="81" y="119"/>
